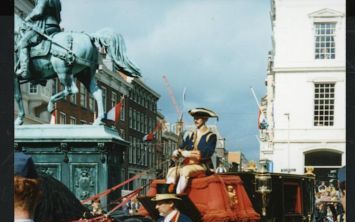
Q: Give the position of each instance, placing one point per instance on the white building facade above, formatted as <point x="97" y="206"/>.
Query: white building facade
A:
<point x="305" y="101"/>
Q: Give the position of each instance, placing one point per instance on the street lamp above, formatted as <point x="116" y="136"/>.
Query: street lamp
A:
<point x="263" y="186"/>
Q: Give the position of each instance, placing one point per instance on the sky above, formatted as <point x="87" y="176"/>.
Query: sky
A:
<point x="216" y="49"/>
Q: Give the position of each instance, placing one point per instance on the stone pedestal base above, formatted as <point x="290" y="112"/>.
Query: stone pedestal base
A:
<point x="87" y="159"/>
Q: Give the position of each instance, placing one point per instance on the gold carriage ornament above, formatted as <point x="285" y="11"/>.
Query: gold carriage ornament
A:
<point x="263" y="186"/>
<point x="309" y="171"/>
<point x="251" y="167"/>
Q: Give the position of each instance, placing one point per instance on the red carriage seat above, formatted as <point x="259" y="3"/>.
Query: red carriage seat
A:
<point x="209" y="194"/>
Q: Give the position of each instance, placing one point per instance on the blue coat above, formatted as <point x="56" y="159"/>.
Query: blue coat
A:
<point x="206" y="145"/>
<point x="182" y="218"/>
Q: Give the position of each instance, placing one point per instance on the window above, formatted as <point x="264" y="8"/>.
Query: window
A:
<point x="123" y="111"/>
<point x="149" y="124"/>
<point x="33" y="89"/>
<point x="123" y="133"/>
<point x="147" y="157"/>
<point x="145" y="124"/>
<point x="324" y="104"/>
<point x="292" y="198"/>
<point x="142" y="122"/>
<point x="324" y="40"/>
<point x="130" y="158"/>
<point x="73" y="98"/>
<point x="72" y="120"/>
<point x="62" y="118"/>
<point x="134" y="119"/>
<point x="131" y="185"/>
<point x="144" y="155"/>
<point x="138" y="154"/>
<point x="153" y="158"/>
<point x="91" y="103"/>
<point x="113" y="99"/>
<point x="83" y="95"/>
<point x="135" y="153"/>
<point x="130" y="118"/>
<point x="104" y="97"/>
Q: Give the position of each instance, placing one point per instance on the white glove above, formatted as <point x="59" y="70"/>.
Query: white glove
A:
<point x="176" y="153"/>
<point x="186" y="153"/>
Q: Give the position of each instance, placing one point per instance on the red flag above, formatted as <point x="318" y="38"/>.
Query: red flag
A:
<point x="115" y="112"/>
<point x="150" y="136"/>
<point x="52" y="121"/>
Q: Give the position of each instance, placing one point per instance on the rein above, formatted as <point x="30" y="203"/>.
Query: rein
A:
<point x="108" y="191"/>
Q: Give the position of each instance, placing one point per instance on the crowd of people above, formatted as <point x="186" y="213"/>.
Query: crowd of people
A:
<point x="329" y="202"/>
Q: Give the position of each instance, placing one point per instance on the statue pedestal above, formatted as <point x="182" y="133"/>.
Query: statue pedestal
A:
<point x="88" y="159"/>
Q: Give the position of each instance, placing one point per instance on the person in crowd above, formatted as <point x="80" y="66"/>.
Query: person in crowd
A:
<point x="97" y="208"/>
<point x="339" y="212"/>
<point x="126" y="207"/>
<point x="342" y="188"/>
<point x="27" y="192"/>
<point x="197" y="148"/>
<point x="134" y="206"/>
<point x="221" y="168"/>
<point x="320" y="212"/>
<point x="322" y="187"/>
<point x="165" y="203"/>
<point x="234" y="167"/>
<point x="318" y="197"/>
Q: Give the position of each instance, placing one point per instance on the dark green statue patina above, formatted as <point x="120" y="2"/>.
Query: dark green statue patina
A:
<point x="45" y="52"/>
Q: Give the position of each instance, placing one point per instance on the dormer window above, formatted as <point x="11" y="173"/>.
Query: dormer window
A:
<point x="325" y="23"/>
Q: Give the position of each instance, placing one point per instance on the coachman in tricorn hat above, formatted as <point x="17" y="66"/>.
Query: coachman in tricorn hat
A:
<point x="197" y="148"/>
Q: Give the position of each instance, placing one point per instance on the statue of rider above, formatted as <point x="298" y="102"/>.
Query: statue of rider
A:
<point x="45" y="17"/>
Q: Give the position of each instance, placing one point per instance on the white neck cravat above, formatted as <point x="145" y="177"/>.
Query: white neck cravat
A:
<point x="170" y="216"/>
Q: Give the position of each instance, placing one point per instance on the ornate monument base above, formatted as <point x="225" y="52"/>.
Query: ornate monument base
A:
<point x="87" y="159"/>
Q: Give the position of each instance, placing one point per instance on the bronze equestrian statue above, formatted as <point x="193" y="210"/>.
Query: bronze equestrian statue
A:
<point x="45" y="52"/>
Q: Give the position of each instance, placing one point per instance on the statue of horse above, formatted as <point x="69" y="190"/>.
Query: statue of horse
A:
<point x="70" y="56"/>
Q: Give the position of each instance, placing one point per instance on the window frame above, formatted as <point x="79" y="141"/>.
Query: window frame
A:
<point x="64" y="117"/>
<point x="324" y="104"/>
<point x="33" y="86"/>
<point x="83" y="96"/>
<point x="70" y="120"/>
<point x="322" y="39"/>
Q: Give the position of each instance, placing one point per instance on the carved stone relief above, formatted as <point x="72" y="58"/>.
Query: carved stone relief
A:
<point x="49" y="169"/>
<point x="84" y="179"/>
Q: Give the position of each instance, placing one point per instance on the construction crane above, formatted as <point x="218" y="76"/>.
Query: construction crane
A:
<point x="180" y="123"/>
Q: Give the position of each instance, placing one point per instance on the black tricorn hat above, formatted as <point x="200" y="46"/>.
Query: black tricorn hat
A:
<point x="202" y="112"/>
<point x="24" y="166"/>
<point x="165" y="192"/>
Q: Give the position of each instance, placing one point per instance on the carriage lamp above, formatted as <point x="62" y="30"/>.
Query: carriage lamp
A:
<point x="263" y="186"/>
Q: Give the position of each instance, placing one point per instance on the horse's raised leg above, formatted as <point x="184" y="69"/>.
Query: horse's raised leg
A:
<point x="18" y="98"/>
<point x="69" y="88"/>
<point x="55" y="98"/>
<point x="97" y="94"/>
